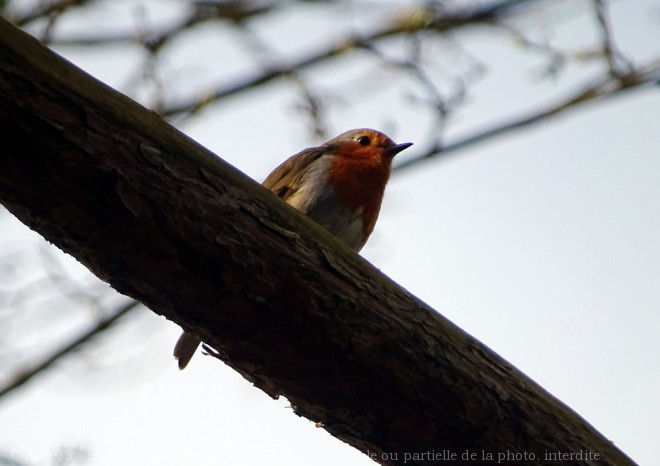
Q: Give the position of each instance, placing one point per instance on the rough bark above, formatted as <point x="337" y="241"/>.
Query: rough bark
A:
<point x="285" y="304"/>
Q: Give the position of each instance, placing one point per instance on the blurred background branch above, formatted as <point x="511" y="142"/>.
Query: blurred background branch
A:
<point x="26" y="373"/>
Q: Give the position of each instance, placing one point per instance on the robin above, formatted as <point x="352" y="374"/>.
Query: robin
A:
<point x="339" y="185"/>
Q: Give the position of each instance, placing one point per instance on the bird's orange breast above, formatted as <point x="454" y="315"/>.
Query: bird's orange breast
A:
<point x="358" y="179"/>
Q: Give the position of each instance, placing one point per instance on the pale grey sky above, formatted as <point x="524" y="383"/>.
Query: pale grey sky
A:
<point x="542" y="244"/>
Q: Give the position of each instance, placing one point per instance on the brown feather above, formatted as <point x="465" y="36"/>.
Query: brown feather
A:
<point x="284" y="181"/>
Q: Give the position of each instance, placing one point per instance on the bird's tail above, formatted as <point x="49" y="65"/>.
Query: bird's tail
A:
<point x="185" y="348"/>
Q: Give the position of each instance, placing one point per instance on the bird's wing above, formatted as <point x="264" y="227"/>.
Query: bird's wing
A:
<point x="285" y="180"/>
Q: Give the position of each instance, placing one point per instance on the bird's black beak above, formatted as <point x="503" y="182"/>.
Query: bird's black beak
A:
<point x="395" y="149"/>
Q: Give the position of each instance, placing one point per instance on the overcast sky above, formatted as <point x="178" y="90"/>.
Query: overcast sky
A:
<point x="543" y="244"/>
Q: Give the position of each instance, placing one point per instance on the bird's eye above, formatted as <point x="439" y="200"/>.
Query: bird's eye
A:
<point x="364" y="140"/>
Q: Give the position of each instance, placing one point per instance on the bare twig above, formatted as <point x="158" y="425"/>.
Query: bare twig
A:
<point x="414" y="20"/>
<point x="616" y="62"/>
<point x="604" y="88"/>
<point x="25" y="375"/>
<point x="46" y="10"/>
<point x="312" y="103"/>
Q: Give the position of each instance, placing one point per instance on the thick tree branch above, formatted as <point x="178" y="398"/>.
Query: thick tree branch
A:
<point x="282" y="301"/>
